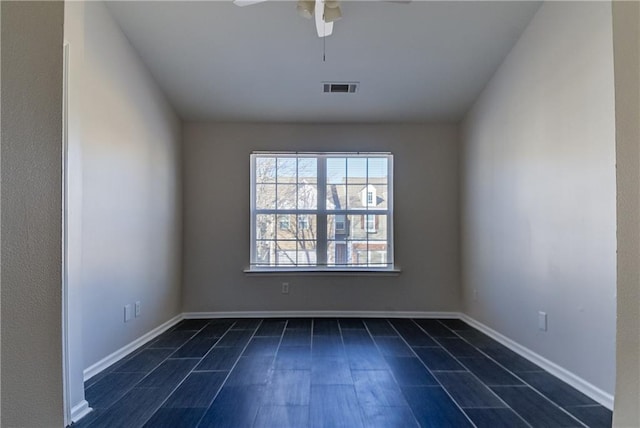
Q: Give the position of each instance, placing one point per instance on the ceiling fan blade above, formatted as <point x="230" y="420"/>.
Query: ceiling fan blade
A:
<point x="324" y="28"/>
<point x="242" y="3"/>
<point x="305" y="8"/>
<point x="332" y="14"/>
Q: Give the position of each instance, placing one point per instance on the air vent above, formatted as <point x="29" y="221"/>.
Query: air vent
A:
<point x="340" y="87"/>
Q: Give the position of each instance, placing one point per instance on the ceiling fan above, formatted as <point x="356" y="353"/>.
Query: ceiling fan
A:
<point x="326" y="12"/>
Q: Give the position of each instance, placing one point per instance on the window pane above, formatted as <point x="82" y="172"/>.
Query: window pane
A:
<point x="285" y="258"/>
<point x="285" y="252"/>
<point x="379" y="195"/>
<point x="300" y="253"/>
<point x="377" y="227"/>
<point x="377" y="254"/>
<point x="336" y="170"/>
<point x="337" y="253"/>
<point x="307" y="226"/>
<point x="287" y="170"/>
<point x="359" y="256"/>
<point x="286" y="196"/>
<point x="357" y="170"/>
<point x="358" y="227"/>
<point x="265" y="170"/>
<point x="357" y="197"/>
<point x="286" y="227"/>
<point x="378" y="170"/>
<point x="339" y="227"/>
<point x="307" y="170"/>
<point x="347" y="253"/>
<point x="336" y="197"/>
<point x="265" y="226"/>
<point x="264" y="253"/>
<point x="307" y="196"/>
<point x="307" y="253"/>
<point x="265" y="196"/>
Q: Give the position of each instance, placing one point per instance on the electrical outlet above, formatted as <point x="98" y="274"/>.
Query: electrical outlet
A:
<point x="127" y="313"/>
<point x="137" y="309"/>
<point x="285" y="288"/>
<point x="542" y="321"/>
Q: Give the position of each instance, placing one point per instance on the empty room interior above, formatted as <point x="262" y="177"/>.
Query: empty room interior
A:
<point x="388" y="214"/>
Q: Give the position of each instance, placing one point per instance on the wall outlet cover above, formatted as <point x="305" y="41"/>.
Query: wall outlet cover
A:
<point x="542" y="321"/>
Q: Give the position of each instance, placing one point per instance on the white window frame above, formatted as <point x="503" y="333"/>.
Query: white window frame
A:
<point x="321" y="212"/>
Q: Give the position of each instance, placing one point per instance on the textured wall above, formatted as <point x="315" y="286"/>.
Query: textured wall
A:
<point x="626" y="39"/>
<point x="31" y="214"/>
<point x="216" y="219"/>
<point x="539" y="213"/>
<point x="131" y="195"/>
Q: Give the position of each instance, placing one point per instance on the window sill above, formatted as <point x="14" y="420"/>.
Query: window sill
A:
<point x="322" y="272"/>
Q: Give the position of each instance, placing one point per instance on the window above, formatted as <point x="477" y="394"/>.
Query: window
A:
<point x="371" y="223"/>
<point x="303" y="222"/>
<point x="283" y="222"/>
<point x="321" y="210"/>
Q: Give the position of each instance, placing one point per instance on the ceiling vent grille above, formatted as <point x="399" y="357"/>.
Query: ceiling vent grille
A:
<point x="340" y="87"/>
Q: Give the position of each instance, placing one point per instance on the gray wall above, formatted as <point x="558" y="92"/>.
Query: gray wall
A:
<point x="539" y="193"/>
<point x="626" y="41"/>
<point x="131" y="195"/>
<point x="216" y="219"/>
<point x="31" y="215"/>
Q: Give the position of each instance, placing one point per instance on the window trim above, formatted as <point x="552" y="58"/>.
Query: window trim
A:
<point x="321" y="212"/>
<point x="338" y="271"/>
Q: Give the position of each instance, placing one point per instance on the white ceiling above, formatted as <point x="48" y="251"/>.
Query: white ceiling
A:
<point x="422" y="61"/>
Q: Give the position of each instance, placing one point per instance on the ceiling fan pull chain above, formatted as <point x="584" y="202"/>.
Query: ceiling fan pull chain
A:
<point x="324" y="49"/>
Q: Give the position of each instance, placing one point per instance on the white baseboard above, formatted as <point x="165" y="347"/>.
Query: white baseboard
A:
<point x="129" y="348"/>
<point x="321" y="314"/>
<point x="563" y="374"/>
<point x="80" y="410"/>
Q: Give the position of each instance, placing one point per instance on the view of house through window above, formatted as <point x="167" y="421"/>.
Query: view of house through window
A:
<point x="312" y="210"/>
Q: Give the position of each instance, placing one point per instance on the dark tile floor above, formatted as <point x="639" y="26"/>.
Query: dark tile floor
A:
<point x="332" y="373"/>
